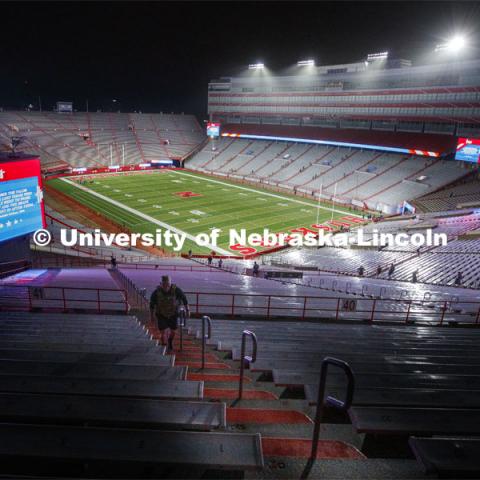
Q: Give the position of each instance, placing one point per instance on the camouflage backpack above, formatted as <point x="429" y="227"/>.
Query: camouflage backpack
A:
<point x="166" y="302"/>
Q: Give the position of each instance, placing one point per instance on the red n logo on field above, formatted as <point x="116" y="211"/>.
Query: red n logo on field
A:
<point x="187" y="194"/>
<point x="350" y="219"/>
<point x="243" y="250"/>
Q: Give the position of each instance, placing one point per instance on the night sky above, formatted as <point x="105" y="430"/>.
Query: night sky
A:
<point x="160" y="56"/>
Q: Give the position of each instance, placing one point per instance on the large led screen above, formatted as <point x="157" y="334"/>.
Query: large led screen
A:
<point x="468" y="150"/>
<point x="21" y="198"/>
<point x="213" y="129"/>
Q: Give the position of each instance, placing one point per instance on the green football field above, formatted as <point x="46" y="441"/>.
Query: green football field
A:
<point x="192" y="203"/>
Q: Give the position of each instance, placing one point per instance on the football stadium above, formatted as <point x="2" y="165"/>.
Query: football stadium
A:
<point x="254" y="269"/>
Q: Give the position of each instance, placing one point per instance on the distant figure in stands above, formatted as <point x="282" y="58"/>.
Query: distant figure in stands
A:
<point x="391" y="270"/>
<point x="459" y="279"/>
<point x="209" y="260"/>
<point x="190" y="254"/>
<point x="415" y="276"/>
<point x="379" y="270"/>
<point x="256" y="269"/>
<point x="361" y="270"/>
<point x="164" y="304"/>
<point x="113" y="262"/>
<point x="220" y="263"/>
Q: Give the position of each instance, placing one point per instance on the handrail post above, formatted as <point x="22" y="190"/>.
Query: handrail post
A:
<point x="304" y="307"/>
<point x="373" y="310"/>
<point x="245" y="358"/>
<point x="444" y="309"/>
<point x="125" y="296"/>
<point x="30" y="299"/>
<point x="64" y="300"/>
<point x="182" y="323"/>
<point x="98" y="300"/>
<point x="205" y="319"/>
<point x="334" y="402"/>
<point x="268" y="307"/>
<point x="408" y="311"/>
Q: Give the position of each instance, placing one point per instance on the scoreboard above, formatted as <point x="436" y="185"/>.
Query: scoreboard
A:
<point x="64" y="107"/>
<point x="468" y="150"/>
<point x="213" y="129"/>
<point x="21" y="198"/>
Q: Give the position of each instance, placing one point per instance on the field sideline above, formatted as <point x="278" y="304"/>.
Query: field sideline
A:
<point x="192" y="203"/>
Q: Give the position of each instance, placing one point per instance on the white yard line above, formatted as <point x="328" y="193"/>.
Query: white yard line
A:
<point x="259" y="192"/>
<point x="144" y="216"/>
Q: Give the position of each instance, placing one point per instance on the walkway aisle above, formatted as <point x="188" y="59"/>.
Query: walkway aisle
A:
<point x="285" y="424"/>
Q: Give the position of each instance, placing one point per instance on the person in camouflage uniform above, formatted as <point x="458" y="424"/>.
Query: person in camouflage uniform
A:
<point x="164" y="306"/>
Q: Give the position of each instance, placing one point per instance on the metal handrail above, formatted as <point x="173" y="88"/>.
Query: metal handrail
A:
<point x="182" y="316"/>
<point x="331" y="401"/>
<point x="246" y="358"/>
<point x="208" y="321"/>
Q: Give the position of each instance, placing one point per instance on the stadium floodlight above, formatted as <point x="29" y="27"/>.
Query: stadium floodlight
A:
<point x="454" y="45"/>
<point x="377" y="56"/>
<point x="306" y="63"/>
<point x="256" y="66"/>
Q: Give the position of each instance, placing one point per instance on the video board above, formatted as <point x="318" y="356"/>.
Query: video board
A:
<point x="213" y="129"/>
<point x="468" y="150"/>
<point x="21" y="198"/>
<point x="64" y="107"/>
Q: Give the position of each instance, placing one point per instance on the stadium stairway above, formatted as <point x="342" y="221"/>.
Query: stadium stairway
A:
<point x="387" y="407"/>
<point x="358" y="169"/>
<point x="217" y="153"/>
<point x="241" y="152"/>
<point x="291" y="161"/>
<point x="278" y="156"/>
<point x="254" y="157"/>
<point x="137" y="140"/>
<point x="398" y="182"/>
<point x="285" y="426"/>
<point x="316" y="162"/>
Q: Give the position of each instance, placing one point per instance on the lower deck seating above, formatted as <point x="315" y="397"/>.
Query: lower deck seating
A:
<point x="448" y="457"/>
<point x="408" y="380"/>
<point x="125" y="138"/>
<point x="415" y="421"/>
<point x="96" y="396"/>
<point x="377" y="179"/>
<point x="451" y="198"/>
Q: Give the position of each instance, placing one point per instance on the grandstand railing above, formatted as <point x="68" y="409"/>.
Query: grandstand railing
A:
<point x="50" y="298"/>
<point x="105" y="262"/>
<point x="303" y="307"/>
<point x="13" y="267"/>
<point x="66" y="257"/>
<point x="310" y="308"/>
<point x="175" y="268"/>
